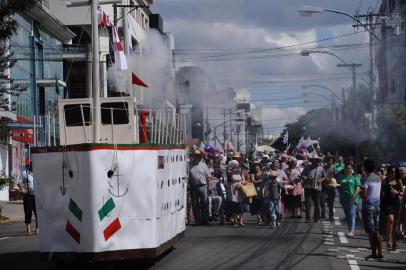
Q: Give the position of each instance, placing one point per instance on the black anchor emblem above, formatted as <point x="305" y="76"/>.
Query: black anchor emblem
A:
<point x="117" y="174"/>
<point x="63" y="188"/>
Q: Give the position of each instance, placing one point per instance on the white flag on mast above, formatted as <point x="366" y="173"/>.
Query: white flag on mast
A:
<point x="130" y="32"/>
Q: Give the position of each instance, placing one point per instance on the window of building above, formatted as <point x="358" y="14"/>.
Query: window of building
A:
<point x="120" y="113"/>
<point x="392" y="5"/>
<point x="73" y="115"/>
<point x="404" y="94"/>
<point x="393" y="86"/>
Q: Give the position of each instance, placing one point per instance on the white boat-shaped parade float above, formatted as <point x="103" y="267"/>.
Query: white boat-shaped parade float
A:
<point x="115" y="188"/>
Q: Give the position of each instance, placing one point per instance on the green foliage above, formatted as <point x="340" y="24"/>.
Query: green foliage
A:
<point x="351" y="137"/>
<point x="8" y="26"/>
<point x="312" y="124"/>
<point x="391" y="131"/>
<point x="5" y="180"/>
<point x="345" y="136"/>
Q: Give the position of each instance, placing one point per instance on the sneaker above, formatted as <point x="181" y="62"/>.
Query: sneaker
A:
<point x="350" y="235"/>
<point x="369" y="257"/>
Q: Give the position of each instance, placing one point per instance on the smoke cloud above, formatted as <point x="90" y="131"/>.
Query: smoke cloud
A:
<point x="151" y="61"/>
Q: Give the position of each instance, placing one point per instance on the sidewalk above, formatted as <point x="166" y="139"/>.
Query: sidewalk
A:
<point x="13" y="210"/>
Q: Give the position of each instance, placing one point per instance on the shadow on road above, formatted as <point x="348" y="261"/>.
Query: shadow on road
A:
<point x="31" y="260"/>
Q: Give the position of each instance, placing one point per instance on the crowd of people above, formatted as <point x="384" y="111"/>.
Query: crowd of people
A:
<point x="272" y="186"/>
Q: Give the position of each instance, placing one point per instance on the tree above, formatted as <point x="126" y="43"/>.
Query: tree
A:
<point x="8" y="27"/>
<point x="391" y="134"/>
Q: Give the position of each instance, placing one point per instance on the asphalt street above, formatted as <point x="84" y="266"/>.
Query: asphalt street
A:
<point x="296" y="245"/>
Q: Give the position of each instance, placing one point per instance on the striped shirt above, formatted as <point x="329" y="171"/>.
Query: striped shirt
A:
<point x="199" y="174"/>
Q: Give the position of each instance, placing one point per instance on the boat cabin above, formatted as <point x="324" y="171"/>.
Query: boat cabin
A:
<point x="120" y="122"/>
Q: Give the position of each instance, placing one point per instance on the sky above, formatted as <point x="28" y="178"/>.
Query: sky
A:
<point x="256" y="45"/>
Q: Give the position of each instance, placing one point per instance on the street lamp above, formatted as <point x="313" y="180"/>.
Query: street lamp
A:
<point x="333" y="105"/>
<point x="332" y="102"/>
<point x="307" y="94"/>
<point x="307" y="11"/>
<point x="305" y="87"/>
<point x="307" y="52"/>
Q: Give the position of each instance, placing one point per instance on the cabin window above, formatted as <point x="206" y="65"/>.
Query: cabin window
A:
<point x="120" y="113"/>
<point x="73" y="115"/>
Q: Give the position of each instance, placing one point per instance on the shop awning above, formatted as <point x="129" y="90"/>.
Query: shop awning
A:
<point x="8" y="114"/>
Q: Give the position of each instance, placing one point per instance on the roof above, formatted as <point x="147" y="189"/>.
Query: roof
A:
<point x="51" y="23"/>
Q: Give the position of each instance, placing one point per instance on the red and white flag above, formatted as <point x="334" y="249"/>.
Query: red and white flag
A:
<point x="119" y="56"/>
<point x="104" y="20"/>
<point x="138" y="81"/>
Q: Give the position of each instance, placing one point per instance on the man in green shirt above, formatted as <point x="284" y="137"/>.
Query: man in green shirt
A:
<point x="339" y="166"/>
<point x="349" y="196"/>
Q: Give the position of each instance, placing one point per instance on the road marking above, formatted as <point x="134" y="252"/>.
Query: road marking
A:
<point x="352" y="262"/>
<point x="342" y="238"/>
<point x="3" y="238"/>
<point x="337" y="221"/>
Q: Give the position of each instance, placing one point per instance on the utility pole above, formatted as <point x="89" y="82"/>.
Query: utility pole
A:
<point x="333" y="108"/>
<point x="352" y="66"/>
<point x="224" y="129"/>
<point x="207" y="124"/>
<point x="371" y="71"/>
<point x="370" y="25"/>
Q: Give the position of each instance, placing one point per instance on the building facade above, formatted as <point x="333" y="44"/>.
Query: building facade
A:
<point x="37" y="47"/>
<point x="390" y="53"/>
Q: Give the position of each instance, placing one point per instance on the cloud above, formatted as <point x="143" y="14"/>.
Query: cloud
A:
<point x="261" y="13"/>
<point x="220" y="36"/>
<point x="274" y="119"/>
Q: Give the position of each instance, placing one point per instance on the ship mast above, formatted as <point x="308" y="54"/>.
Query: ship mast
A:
<point x="95" y="72"/>
<point x="96" y="113"/>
